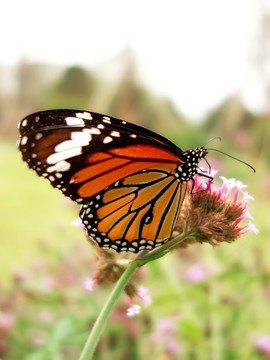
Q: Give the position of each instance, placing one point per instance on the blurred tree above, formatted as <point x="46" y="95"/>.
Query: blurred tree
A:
<point x="133" y="102"/>
<point x="240" y="127"/>
<point x="23" y="96"/>
<point x="73" y="90"/>
<point x="29" y="79"/>
<point x="226" y="119"/>
<point x="261" y="55"/>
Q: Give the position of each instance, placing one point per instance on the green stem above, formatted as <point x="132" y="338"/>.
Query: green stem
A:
<point x="92" y="341"/>
<point x="143" y="258"/>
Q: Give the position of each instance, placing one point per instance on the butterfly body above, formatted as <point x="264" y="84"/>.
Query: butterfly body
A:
<point x="130" y="181"/>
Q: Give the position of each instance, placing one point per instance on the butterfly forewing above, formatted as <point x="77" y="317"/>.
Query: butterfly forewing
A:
<point x="71" y="148"/>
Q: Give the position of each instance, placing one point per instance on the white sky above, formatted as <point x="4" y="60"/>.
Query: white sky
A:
<point x="196" y="52"/>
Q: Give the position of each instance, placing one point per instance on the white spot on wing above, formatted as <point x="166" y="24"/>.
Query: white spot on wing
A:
<point x="59" y="166"/>
<point x="63" y="155"/>
<point x="24" y="140"/>
<point x="85" y="115"/>
<point x="38" y="136"/>
<point x="24" y="123"/>
<point x="100" y="126"/>
<point x="107" y="140"/>
<point x="73" y="144"/>
<point x="106" y="119"/>
<point x="81" y="135"/>
<point x="94" y="131"/>
<point x="115" y="133"/>
<point x="133" y="136"/>
<point x="74" y="121"/>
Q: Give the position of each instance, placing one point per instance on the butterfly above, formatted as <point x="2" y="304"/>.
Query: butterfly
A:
<point x="130" y="181"/>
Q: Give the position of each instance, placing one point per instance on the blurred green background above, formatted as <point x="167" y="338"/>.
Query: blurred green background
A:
<point x="45" y="312"/>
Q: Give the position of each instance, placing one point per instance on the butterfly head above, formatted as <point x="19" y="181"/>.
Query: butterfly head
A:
<point x="191" y="159"/>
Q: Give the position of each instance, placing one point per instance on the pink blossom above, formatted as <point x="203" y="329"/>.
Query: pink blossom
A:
<point x="78" y="222"/>
<point x="6" y="323"/>
<point x="212" y="172"/>
<point x="133" y="310"/>
<point x="247" y="197"/>
<point x="166" y="327"/>
<point x="196" y="273"/>
<point x="249" y="227"/>
<point x="88" y="284"/>
<point x="165" y="336"/>
<point x="173" y="347"/>
<point x="229" y="184"/>
<point x="263" y="344"/>
<point x="144" y="295"/>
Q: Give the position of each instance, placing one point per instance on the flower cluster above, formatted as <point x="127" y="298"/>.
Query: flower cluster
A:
<point x="215" y="215"/>
<point x="144" y="294"/>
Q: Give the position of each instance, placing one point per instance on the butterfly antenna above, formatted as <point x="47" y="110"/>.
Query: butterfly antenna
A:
<point x="213" y="138"/>
<point x="241" y="161"/>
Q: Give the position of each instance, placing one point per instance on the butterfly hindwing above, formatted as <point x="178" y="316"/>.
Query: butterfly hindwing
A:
<point x="138" y="212"/>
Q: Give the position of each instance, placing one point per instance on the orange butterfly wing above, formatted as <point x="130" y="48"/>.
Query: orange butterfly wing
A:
<point x="138" y="212"/>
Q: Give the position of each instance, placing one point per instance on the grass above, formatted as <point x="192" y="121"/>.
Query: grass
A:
<point x="32" y="213"/>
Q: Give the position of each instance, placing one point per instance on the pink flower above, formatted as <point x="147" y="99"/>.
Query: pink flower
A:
<point x="133" y="310"/>
<point x="165" y="336"/>
<point x="214" y="214"/>
<point x="78" y="222"/>
<point x="196" y="273"/>
<point x="173" y="347"/>
<point x="6" y="323"/>
<point x="263" y="344"/>
<point x="88" y="284"/>
<point x="166" y="327"/>
<point x="228" y="185"/>
<point x="144" y="295"/>
<point x="249" y="227"/>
